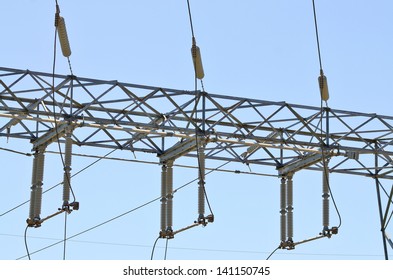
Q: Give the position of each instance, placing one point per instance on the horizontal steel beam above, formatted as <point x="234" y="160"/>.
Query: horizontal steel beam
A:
<point x="117" y="115"/>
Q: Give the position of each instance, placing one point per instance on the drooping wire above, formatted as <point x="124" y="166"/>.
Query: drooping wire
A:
<point x="166" y="248"/>
<point x="272" y="253"/>
<point x="26" y="246"/>
<point x="65" y="235"/>
<point x="154" y="247"/>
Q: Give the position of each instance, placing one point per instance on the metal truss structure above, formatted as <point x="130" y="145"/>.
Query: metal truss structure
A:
<point x="169" y="123"/>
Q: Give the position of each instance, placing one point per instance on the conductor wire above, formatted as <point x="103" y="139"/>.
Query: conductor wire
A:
<point x="26" y="246"/>
<point x="190" y="17"/>
<point x="317" y="35"/>
<point x="154" y="247"/>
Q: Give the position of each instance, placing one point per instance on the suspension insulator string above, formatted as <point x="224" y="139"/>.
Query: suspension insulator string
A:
<point x="63" y="37"/>
<point x="197" y="60"/>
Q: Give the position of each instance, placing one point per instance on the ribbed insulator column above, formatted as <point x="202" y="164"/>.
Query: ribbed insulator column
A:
<point x="163" y="198"/>
<point x="283" y="231"/>
<point x="39" y="177"/>
<point x="67" y="169"/>
<point x="325" y="197"/>
<point x="290" y="208"/>
<point x="63" y="37"/>
<point x="33" y="187"/>
<point x="201" y="182"/>
<point x="169" y="190"/>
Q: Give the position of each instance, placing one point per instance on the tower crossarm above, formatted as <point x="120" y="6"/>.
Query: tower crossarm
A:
<point x="157" y="120"/>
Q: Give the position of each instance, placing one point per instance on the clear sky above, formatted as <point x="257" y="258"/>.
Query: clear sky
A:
<point x="254" y="48"/>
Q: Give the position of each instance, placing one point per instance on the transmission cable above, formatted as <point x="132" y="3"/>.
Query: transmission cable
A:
<point x="26" y="246"/>
<point x="166" y="248"/>
<point x="65" y="235"/>
<point x="154" y="247"/>
<point x="272" y="253"/>
<point x="16" y="152"/>
<point x="317" y="35"/>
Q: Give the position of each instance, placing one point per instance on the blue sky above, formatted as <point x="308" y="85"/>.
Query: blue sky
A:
<point x="257" y="49"/>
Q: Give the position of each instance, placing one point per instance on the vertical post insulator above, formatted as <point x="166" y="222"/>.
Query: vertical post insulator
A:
<point x="201" y="182"/>
<point x="325" y="196"/>
<point x="67" y="169"/>
<point x="163" y="198"/>
<point x="290" y="208"/>
<point x="39" y="183"/>
<point x="283" y="212"/>
<point x="33" y="187"/>
<point x="169" y="188"/>
<point x="36" y="186"/>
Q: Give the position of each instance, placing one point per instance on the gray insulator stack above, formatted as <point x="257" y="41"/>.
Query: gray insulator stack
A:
<point x="283" y="212"/>
<point x="169" y="188"/>
<point x="36" y="185"/>
<point x="290" y="208"/>
<point x="67" y="169"/>
<point x="163" y="198"/>
<point x="325" y="196"/>
<point x="33" y="187"/>
<point x="201" y="183"/>
<point x="39" y="183"/>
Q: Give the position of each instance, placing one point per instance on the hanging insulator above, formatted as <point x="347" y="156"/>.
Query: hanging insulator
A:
<point x="57" y="16"/>
<point x="163" y="198"/>
<point x="197" y="60"/>
<point x="63" y="37"/>
<point x="201" y="183"/>
<point x="323" y="87"/>
<point x="283" y="212"/>
<point x="67" y="169"/>
<point x="290" y="208"/>
<point x="169" y="190"/>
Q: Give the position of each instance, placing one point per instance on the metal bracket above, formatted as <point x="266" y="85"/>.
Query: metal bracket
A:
<point x="53" y="134"/>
